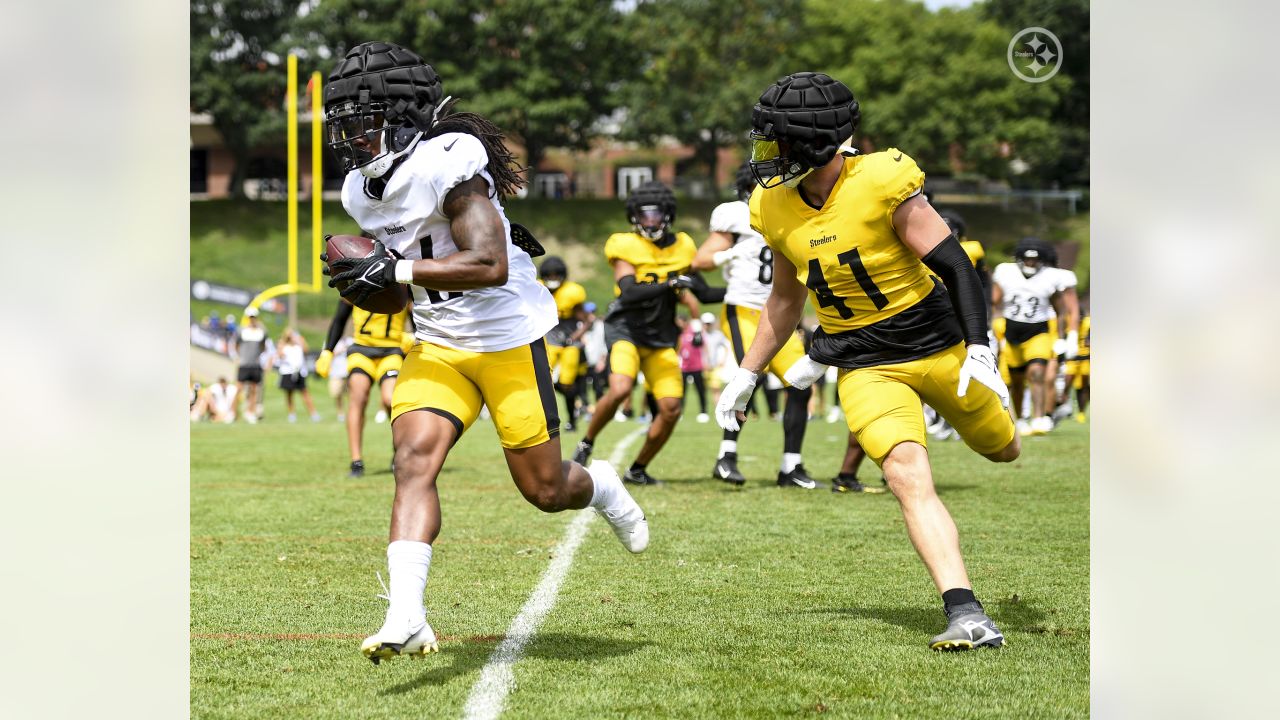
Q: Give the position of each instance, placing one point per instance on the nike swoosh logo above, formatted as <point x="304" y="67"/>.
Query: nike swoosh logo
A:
<point x="723" y="472"/>
<point x="449" y="147"/>
<point x="807" y="485"/>
<point x="897" y="159"/>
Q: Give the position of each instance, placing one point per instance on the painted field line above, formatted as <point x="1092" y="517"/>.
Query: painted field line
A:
<point x="498" y="677"/>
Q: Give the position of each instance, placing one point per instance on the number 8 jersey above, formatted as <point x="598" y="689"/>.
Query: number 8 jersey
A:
<point x="877" y="303"/>
<point x="749" y="276"/>
<point x="409" y="219"/>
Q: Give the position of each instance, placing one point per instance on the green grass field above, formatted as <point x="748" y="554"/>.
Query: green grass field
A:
<point x="757" y="602"/>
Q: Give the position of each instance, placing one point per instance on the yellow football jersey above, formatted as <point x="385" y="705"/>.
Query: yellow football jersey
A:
<point x="1083" y="346"/>
<point x="974" y="250"/>
<point x="568" y="297"/>
<point x="377" y="330"/>
<point x="652" y="322"/>
<point x="652" y="263"/>
<point x="860" y="275"/>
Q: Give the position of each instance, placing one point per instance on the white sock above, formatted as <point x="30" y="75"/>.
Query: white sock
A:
<point x="728" y="446"/>
<point x="601" y="493"/>
<point x="407" y="563"/>
<point x="790" y="461"/>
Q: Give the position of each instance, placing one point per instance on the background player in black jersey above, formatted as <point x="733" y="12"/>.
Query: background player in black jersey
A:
<point x="651" y="266"/>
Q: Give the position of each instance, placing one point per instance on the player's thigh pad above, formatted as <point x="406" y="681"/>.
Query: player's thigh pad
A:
<point x="624" y="359"/>
<point x="979" y="417"/>
<point x="662" y="375"/>
<point x="388" y="367"/>
<point x="357" y="362"/>
<point x="516" y="385"/>
<point x="881" y="407"/>
<point x="430" y="379"/>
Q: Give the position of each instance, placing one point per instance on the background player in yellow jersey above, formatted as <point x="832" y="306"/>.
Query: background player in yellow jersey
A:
<point x="564" y="342"/>
<point x="651" y="265"/>
<point x="1078" y="368"/>
<point x="854" y="230"/>
<point x="374" y="358"/>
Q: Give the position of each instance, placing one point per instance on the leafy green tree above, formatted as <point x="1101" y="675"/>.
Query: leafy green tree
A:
<point x="704" y="64"/>
<point x="237" y="72"/>
<point x="936" y="85"/>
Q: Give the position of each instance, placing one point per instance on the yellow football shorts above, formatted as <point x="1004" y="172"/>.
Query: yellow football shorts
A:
<point x="739" y="325"/>
<point x="568" y="359"/>
<point x="882" y="404"/>
<point x="1079" y="371"/>
<point x="454" y="384"/>
<point x="378" y="369"/>
<point x="661" y="367"/>
<point x="1018" y="355"/>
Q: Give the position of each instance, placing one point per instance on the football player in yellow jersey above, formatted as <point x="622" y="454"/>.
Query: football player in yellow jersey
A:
<point x="373" y="359"/>
<point x="651" y="266"/>
<point x="856" y="232"/>
<point x="1078" y="368"/>
<point x="564" y="342"/>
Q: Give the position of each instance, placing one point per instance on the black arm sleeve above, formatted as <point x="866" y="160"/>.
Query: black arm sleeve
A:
<point x="630" y="291"/>
<point x="337" y="325"/>
<point x="964" y="286"/>
<point x="704" y="292"/>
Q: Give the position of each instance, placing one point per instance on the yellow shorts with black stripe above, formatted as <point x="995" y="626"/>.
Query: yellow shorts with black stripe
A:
<point x="1037" y="347"/>
<point x="379" y="369"/>
<point x="567" y="359"/>
<point x="739" y="324"/>
<point x="1078" y="370"/>
<point x="661" y="367"/>
<point x="882" y="404"/>
<point x="454" y="384"/>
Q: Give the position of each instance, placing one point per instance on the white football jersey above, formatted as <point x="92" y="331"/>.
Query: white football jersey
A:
<point x="1027" y="299"/>
<point x="410" y="220"/>
<point x="1064" y="278"/>
<point x="749" y="277"/>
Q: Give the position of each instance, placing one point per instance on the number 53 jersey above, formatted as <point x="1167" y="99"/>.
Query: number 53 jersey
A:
<point x="409" y="219"/>
<point x="877" y="303"/>
<point x="1028" y="299"/>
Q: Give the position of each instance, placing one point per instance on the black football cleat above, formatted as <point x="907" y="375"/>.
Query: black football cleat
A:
<point x="851" y="485"/>
<point x="583" y="453"/>
<point x="357" y="469"/>
<point x="797" y="478"/>
<point x="640" y="477"/>
<point x="726" y="469"/>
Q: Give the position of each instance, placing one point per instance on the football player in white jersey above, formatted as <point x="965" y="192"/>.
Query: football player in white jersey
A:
<point x="425" y="182"/>
<point x="1025" y="293"/>
<point x="747" y="264"/>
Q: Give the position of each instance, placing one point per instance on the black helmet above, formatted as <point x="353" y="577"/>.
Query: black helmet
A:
<point x="553" y="266"/>
<point x="812" y="114"/>
<point x="955" y="222"/>
<point x="651" y="208"/>
<point x="376" y="91"/>
<point x="1032" y="254"/>
<point x="744" y="181"/>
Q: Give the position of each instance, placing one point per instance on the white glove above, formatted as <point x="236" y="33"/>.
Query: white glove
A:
<point x="1059" y="347"/>
<point x="723" y="256"/>
<point x="734" y="398"/>
<point x="1073" y="345"/>
<point x="804" y="373"/>
<point x="980" y="365"/>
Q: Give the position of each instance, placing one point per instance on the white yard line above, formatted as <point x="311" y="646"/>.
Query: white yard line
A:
<point x="498" y="676"/>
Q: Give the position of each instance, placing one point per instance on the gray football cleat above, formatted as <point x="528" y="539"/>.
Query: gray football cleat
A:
<point x="968" y="627"/>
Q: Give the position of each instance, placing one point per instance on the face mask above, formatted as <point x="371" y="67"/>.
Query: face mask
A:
<point x="553" y="284"/>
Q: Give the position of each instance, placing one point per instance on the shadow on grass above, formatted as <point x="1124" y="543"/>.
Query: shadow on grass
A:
<point x="466" y="657"/>
<point x="1009" y="615"/>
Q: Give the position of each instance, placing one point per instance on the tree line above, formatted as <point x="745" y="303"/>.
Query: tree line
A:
<point x="560" y="73"/>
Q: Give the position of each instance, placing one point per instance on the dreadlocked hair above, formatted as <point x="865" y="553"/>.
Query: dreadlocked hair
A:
<point x="506" y="172"/>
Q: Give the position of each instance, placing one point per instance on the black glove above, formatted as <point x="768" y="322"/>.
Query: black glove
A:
<point x="680" y="282"/>
<point x="367" y="275"/>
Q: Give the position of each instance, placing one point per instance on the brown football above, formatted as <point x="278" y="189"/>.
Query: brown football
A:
<point x="389" y="301"/>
